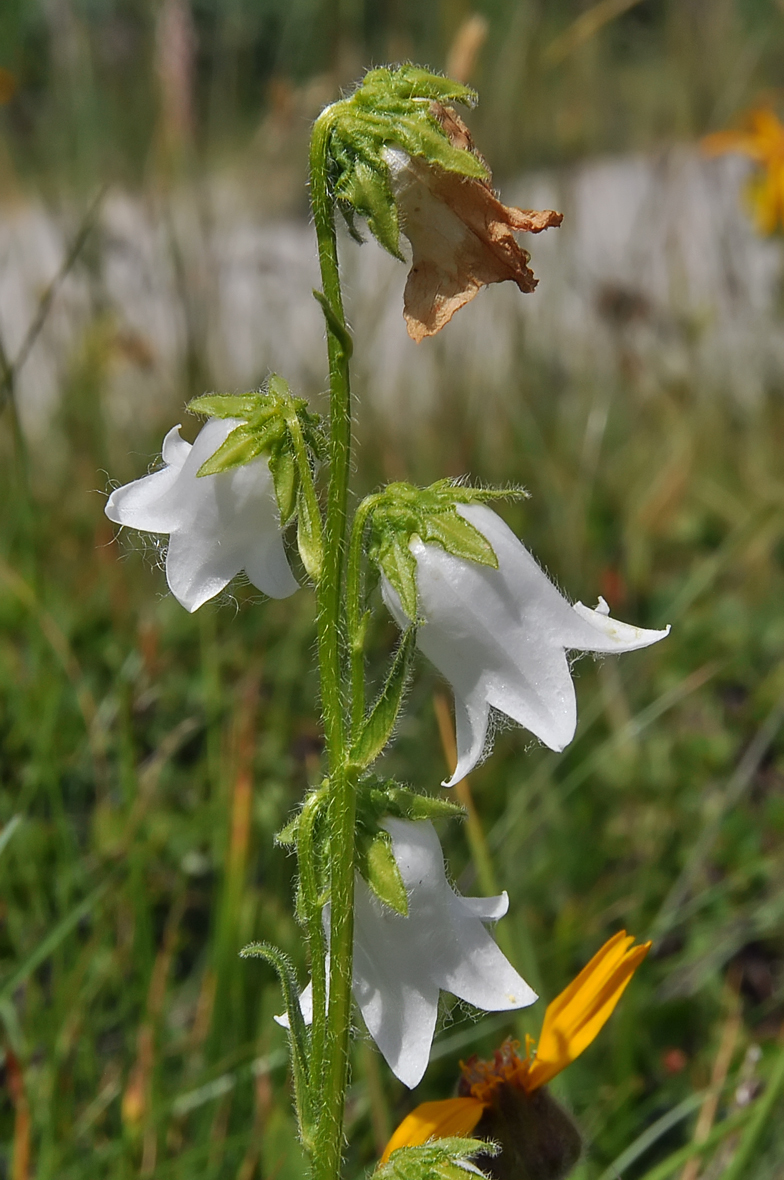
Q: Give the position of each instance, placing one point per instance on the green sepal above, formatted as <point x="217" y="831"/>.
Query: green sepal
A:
<point x="367" y="192"/>
<point x="455" y="534"/>
<point x="378" y="798"/>
<point x="380" y="722"/>
<point x="243" y="445"/>
<point x="391" y="108"/>
<point x="309" y="538"/>
<point x="404" y="803"/>
<point x="394" y="557"/>
<point x="225" y="405"/>
<point x="282" y="427"/>
<point x="285" y="480"/>
<point x="408" y="81"/>
<point x="377" y="865"/>
<point x="403" y="511"/>
<point x="440" y="1159"/>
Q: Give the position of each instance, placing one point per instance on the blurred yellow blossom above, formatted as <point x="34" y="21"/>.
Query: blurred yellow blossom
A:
<point x="762" y="140"/>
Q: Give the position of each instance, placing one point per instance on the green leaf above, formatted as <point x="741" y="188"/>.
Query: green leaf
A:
<point x="407" y="804"/>
<point x="459" y="537"/>
<point x="336" y="327"/>
<point x="8" y="830"/>
<point x="376" y="862"/>
<point x="226" y="405"/>
<point x="287" y="836"/>
<point x="370" y="194"/>
<point x="285" y="479"/>
<point x="309" y="538"/>
<point x="243" y="445"/>
<point x="380" y="723"/>
<point x="399" y="564"/>
<point x="441" y="1159"/>
<point x="50" y="942"/>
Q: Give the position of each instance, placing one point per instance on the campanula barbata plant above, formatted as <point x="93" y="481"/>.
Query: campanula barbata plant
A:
<point x="382" y="923"/>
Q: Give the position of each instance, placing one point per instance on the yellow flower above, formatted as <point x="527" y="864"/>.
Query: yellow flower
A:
<point x="572" y="1021"/>
<point x="763" y="141"/>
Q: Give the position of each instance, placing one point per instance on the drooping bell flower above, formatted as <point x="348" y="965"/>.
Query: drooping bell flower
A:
<point x="401" y="158"/>
<point x="500" y="637"/>
<point x="403" y="962"/>
<point x="506" y="1100"/>
<point x="218" y="525"/>
<point x="462" y="236"/>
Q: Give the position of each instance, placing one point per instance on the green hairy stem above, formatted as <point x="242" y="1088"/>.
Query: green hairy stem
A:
<point x="330" y="1047"/>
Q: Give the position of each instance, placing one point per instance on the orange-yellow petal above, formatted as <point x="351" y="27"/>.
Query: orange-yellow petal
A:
<point x="575" y="1017"/>
<point x="436" y="1120"/>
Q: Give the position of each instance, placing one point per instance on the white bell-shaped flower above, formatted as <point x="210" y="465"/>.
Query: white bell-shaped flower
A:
<point x="500" y="637"/>
<point x="402" y="963"/>
<point x="218" y="525"/>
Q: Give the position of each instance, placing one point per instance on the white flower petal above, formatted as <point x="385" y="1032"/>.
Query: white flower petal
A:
<point x="398" y="1001"/>
<point x="614" y="635"/>
<point x="305" y="1003"/>
<point x="175" y="450"/>
<point x="197" y="568"/>
<point x="268" y="569"/>
<point x="218" y="525"/>
<point x="471" y="720"/>
<point x="489" y="909"/>
<point x="401" y="963"/>
<point x="500" y="637"/>
<point x="478" y="971"/>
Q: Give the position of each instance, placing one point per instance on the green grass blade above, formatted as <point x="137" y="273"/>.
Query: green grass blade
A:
<point x="51" y="942"/>
<point x="761" y="1112"/>
<point x="675" y="1161"/>
<point x="8" y="831"/>
<point x="652" y="1134"/>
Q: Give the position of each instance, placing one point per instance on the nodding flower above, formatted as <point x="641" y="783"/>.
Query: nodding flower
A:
<point x="505" y="1099"/>
<point x="462" y="236"/>
<point x="403" y="962"/>
<point x="500" y="637"/>
<point x="218" y="525"/>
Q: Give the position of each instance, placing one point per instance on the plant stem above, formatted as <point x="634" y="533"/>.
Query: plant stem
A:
<point x="313" y="902"/>
<point x="331" y="1086"/>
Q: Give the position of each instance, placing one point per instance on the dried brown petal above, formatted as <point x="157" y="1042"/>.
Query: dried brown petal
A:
<point x="461" y="234"/>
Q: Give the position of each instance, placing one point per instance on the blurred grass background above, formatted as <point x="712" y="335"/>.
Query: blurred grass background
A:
<point x="148" y="757"/>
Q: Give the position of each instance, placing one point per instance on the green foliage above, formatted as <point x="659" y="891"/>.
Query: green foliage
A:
<point x="403" y="511"/>
<point x="377" y="864"/>
<point x="443" y="1159"/>
<point x="391" y="108"/>
<point x="121" y="717"/>
<point x="89" y="102"/>
<point x="270" y="420"/>
<point x="298" y="1032"/>
<point x="380" y="722"/>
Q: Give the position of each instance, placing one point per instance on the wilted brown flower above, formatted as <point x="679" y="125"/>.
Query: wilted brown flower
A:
<point x="461" y="234"/>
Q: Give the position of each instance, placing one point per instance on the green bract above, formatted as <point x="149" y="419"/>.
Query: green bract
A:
<point x="403" y="511"/>
<point x="376" y="799"/>
<point x="443" y="1159"/>
<point x="282" y="427"/>
<point x="391" y="108"/>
